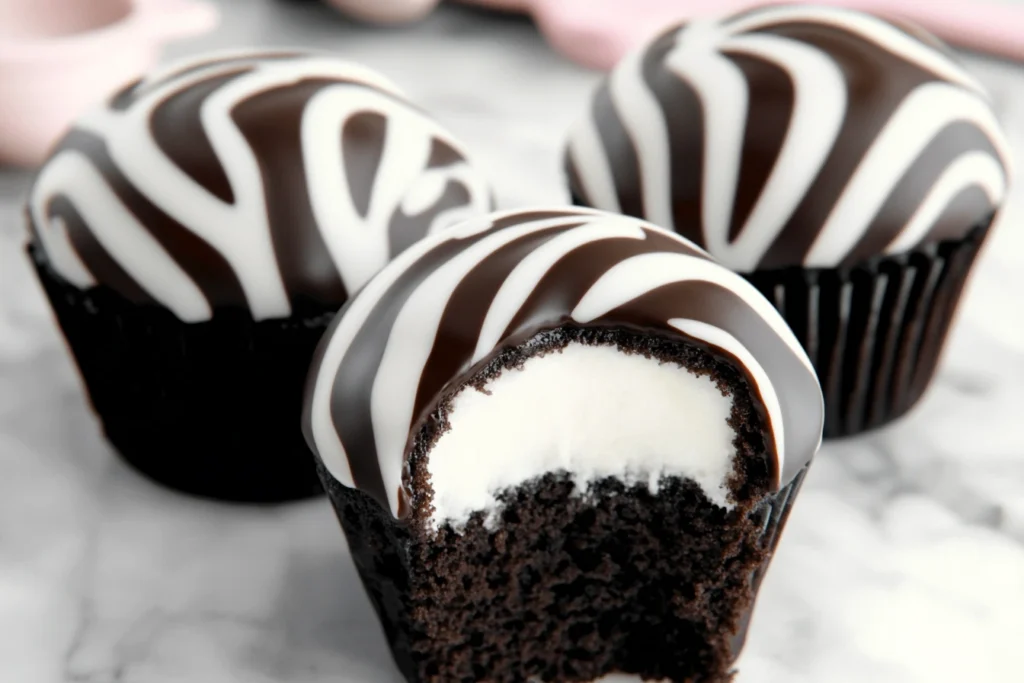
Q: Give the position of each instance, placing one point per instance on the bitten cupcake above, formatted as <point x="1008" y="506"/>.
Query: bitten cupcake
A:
<point x="849" y="167"/>
<point x="197" y="233"/>
<point x="561" y="443"/>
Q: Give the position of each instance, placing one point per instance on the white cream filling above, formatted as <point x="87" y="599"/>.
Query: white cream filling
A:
<point x="592" y="411"/>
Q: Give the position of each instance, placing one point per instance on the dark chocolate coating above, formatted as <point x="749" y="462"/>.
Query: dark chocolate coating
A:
<point x="595" y="256"/>
<point x="793" y="136"/>
<point x="258" y="181"/>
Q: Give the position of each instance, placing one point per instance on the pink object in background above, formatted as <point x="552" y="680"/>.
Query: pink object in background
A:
<point x="597" y="33"/>
<point x="59" y="57"/>
<point x="385" y="11"/>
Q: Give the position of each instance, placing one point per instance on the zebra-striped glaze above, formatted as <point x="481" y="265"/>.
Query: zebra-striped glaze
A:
<point x="453" y="301"/>
<point x="793" y="135"/>
<point x="248" y="180"/>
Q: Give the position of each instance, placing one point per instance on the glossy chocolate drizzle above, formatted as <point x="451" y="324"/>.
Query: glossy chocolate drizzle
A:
<point x="780" y="129"/>
<point x="267" y="148"/>
<point x="428" y="320"/>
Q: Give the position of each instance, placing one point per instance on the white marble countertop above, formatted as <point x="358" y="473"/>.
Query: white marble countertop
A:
<point x="903" y="561"/>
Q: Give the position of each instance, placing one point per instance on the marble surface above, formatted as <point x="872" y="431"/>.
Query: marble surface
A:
<point x="903" y="561"/>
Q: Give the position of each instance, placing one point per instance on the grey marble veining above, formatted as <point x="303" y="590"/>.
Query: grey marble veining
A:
<point x="903" y="561"/>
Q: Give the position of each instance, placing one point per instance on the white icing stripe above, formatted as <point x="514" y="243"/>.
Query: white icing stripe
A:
<point x="463" y="173"/>
<point x="409" y="345"/>
<point x="121" y="235"/>
<point x="523" y="279"/>
<point x="425" y="190"/>
<point x="638" y="275"/>
<point x="870" y="28"/>
<point x="355" y="246"/>
<point x="765" y="389"/>
<point x="819" y="108"/>
<point x="325" y="435"/>
<point x="240" y="230"/>
<point x="977" y="169"/>
<point x="921" y="116"/>
<point x="645" y="124"/>
<point x="53" y="233"/>
<point x="724" y="95"/>
<point x="587" y="152"/>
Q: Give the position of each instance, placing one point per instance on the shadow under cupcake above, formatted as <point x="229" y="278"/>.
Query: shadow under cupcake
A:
<point x="848" y="167"/>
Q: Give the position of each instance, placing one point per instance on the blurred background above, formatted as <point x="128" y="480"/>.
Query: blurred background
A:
<point x="903" y="563"/>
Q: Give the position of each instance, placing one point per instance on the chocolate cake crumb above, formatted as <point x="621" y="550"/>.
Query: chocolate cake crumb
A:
<point x="566" y="587"/>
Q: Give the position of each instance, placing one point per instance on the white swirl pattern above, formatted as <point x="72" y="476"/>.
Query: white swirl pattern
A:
<point x="703" y="57"/>
<point x="241" y="230"/>
<point x="422" y="314"/>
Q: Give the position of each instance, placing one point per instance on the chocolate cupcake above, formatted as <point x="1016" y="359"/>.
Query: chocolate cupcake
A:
<point x="561" y="443"/>
<point x="197" y="233"/>
<point x="848" y="167"/>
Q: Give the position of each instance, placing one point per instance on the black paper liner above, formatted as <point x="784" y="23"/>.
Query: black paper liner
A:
<point x="875" y="331"/>
<point x="379" y="547"/>
<point x="212" y="408"/>
<point x="774" y="512"/>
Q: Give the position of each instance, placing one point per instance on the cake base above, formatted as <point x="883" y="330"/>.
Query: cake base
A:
<point x="568" y="587"/>
<point x="556" y="584"/>
<point x="211" y="409"/>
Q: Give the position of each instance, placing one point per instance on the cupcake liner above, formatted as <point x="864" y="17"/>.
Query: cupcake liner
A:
<point x="875" y="331"/>
<point x="773" y="514"/>
<point x="379" y="547"/>
<point x="212" y="408"/>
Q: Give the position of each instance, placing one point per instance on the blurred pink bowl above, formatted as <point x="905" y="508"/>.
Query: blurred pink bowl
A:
<point x="60" y="57"/>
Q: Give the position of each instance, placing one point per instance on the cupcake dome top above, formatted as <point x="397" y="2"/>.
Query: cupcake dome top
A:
<point x="793" y="136"/>
<point x="452" y="302"/>
<point x="252" y="180"/>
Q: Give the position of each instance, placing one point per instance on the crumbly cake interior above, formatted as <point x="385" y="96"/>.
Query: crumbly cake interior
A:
<point x="570" y="585"/>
